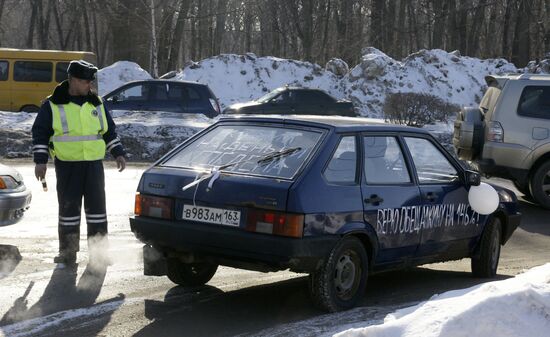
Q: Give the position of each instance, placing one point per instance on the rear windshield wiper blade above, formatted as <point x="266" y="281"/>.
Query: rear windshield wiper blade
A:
<point x="278" y="154"/>
<point x="264" y="159"/>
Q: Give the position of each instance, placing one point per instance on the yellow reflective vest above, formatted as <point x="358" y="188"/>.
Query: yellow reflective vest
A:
<point x="78" y="131"/>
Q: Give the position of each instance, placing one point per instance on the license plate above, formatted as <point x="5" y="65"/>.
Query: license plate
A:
<point x="218" y="216"/>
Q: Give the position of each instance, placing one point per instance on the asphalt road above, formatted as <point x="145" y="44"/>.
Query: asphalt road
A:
<point x="38" y="300"/>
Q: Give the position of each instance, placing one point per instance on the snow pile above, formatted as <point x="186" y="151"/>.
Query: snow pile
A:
<point x="241" y="78"/>
<point x="115" y="75"/>
<point x="149" y="135"/>
<point x="516" y="307"/>
<point x="145" y="135"/>
<point x="454" y="78"/>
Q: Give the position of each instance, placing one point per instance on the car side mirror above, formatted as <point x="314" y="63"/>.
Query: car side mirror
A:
<point x="473" y="178"/>
<point x="114" y="99"/>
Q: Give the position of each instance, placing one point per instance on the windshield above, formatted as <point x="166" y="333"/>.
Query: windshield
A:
<point x="258" y="150"/>
<point x="267" y="97"/>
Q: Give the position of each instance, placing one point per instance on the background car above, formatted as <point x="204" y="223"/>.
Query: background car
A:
<point x="507" y="135"/>
<point x="294" y="101"/>
<point x="164" y="95"/>
<point x="337" y="198"/>
<point x="15" y="197"/>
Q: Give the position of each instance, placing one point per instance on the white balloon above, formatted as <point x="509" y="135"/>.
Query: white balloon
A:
<point x="483" y="198"/>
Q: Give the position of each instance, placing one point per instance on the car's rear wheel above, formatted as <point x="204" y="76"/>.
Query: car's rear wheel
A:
<point x="30" y="108"/>
<point x="540" y="185"/>
<point x="340" y="283"/>
<point x="485" y="263"/>
<point x="190" y="274"/>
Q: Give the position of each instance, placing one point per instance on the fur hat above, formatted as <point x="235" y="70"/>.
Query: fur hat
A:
<point x="82" y="69"/>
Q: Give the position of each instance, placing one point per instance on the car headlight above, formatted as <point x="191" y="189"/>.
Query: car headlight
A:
<point x="505" y="196"/>
<point x="7" y="182"/>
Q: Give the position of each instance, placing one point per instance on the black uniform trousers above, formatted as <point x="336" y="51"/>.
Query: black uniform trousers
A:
<point x="74" y="181"/>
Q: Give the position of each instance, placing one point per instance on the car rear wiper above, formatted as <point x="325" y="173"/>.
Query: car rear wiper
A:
<point x="215" y="172"/>
<point x="278" y="154"/>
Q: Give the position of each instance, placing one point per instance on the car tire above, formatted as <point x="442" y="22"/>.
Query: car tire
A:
<point x="541" y="178"/>
<point x="485" y="262"/>
<point x="340" y="283"/>
<point x="30" y="108"/>
<point x="190" y="274"/>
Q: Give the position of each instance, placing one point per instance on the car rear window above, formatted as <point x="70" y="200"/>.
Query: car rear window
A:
<point x="249" y="149"/>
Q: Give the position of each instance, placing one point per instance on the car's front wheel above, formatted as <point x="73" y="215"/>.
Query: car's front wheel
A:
<point x="540" y="185"/>
<point x="340" y="283"/>
<point x="190" y="274"/>
<point x="485" y="262"/>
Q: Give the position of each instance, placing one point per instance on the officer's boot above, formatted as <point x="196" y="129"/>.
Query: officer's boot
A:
<point x="68" y="246"/>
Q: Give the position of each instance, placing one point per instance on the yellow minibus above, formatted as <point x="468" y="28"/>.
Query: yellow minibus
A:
<point x="28" y="76"/>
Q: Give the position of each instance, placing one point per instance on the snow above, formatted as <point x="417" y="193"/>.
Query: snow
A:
<point x="117" y="74"/>
<point x="515" y="307"/>
<point x="456" y="79"/>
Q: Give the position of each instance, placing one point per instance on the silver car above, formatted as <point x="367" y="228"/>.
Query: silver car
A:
<point x="15" y="197"/>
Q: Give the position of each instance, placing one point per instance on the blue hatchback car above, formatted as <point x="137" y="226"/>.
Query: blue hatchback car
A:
<point x="336" y="197"/>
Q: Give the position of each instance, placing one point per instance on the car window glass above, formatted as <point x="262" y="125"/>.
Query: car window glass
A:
<point x="192" y="93"/>
<point x="343" y="164"/>
<point x="535" y="102"/>
<point x="384" y="161"/>
<point x="161" y="92"/>
<point x="244" y="146"/>
<point x="282" y="98"/>
<point x="3" y="70"/>
<point x="137" y="92"/>
<point x="32" y="71"/>
<point x="61" y="71"/>
<point x="431" y="165"/>
<point x="175" y="92"/>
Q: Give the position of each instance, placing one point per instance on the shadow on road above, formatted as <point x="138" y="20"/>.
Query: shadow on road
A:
<point x="535" y="219"/>
<point x="61" y="294"/>
<point x="209" y="311"/>
<point x="9" y="259"/>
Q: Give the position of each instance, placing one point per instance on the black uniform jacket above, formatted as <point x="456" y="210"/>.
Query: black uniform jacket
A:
<point x="42" y="128"/>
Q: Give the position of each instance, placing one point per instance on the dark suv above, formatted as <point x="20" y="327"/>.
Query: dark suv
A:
<point x="164" y="95"/>
<point x="294" y="101"/>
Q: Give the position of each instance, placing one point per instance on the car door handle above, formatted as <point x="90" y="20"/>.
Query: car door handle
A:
<point x="431" y="196"/>
<point x="374" y="199"/>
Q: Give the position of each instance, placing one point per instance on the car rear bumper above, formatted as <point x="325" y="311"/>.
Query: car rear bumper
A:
<point x="13" y="206"/>
<point x="231" y="246"/>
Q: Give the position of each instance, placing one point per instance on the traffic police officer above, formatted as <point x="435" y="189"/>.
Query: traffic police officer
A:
<point x="74" y="127"/>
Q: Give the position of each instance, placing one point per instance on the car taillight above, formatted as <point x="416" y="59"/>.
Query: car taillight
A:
<point x="276" y="223"/>
<point x="156" y="207"/>
<point x="215" y="105"/>
<point x="495" y="132"/>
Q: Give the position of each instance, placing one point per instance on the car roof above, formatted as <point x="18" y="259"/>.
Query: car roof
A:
<point x="154" y="80"/>
<point x="339" y="123"/>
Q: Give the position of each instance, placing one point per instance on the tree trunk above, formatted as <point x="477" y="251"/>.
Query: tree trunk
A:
<point x="439" y="24"/>
<point x="154" y="60"/>
<point x="520" y="46"/>
<point x="30" y="34"/>
<point x="221" y="14"/>
<point x="376" y="36"/>
<point x="475" y="29"/>
<point x="177" y="40"/>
